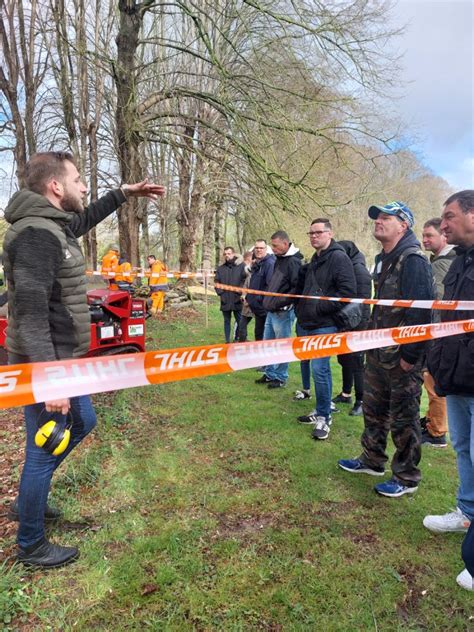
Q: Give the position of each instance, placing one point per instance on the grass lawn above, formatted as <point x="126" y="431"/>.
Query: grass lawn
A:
<point x="203" y="505"/>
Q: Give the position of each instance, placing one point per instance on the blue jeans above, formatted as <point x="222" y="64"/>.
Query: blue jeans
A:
<point x="321" y="370"/>
<point x="40" y="465"/>
<point x="227" y="318"/>
<point x="278" y="325"/>
<point x="461" y="431"/>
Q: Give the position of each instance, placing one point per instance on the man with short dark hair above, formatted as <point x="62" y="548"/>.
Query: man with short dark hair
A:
<point x="49" y="320"/>
<point x="392" y="384"/>
<point x="280" y="312"/>
<point x="231" y="272"/>
<point x="329" y="273"/>
<point x="434" y="425"/>
<point x="451" y="363"/>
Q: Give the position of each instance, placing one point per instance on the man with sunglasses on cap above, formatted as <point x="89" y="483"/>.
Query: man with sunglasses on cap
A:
<point x="49" y="320"/>
<point x="393" y="374"/>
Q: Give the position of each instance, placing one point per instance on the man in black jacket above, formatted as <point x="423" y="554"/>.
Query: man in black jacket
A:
<point x="49" y="320"/>
<point x="280" y="312"/>
<point x="231" y="272"/>
<point x="329" y="273"/>
<point x="451" y="363"/>
<point x="392" y="385"/>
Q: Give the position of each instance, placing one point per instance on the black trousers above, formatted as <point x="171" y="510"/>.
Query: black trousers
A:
<point x="467" y="550"/>
<point x="259" y="326"/>
<point x="353" y="373"/>
<point x="242" y="329"/>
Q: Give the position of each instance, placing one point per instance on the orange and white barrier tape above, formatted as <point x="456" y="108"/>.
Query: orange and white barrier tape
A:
<point x="23" y="384"/>
<point x="384" y="302"/>
<point x="168" y="275"/>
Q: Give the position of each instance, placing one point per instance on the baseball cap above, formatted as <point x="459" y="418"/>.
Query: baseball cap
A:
<point x="393" y="208"/>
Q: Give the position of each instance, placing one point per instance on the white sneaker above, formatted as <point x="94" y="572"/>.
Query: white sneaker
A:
<point x="465" y="580"/>
<point x="452" y="522"/>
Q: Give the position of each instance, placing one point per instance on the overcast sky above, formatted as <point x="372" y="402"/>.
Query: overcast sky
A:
<point x="439" y="102"/>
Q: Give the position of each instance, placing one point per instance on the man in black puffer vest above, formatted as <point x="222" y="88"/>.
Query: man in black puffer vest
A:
<point x="392" y="385"/>
<point x="49" y="320"/>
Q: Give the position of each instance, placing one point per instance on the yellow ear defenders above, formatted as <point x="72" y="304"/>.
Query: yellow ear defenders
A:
<point x="54" y="436"/>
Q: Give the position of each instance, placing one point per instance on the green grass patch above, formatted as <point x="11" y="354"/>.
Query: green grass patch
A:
<point x="203" y="505"/>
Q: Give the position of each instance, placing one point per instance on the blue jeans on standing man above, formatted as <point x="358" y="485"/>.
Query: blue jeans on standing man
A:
<point x="278" y="325"/>
<point x="461" y="431"/>
<point x="40" y="465"/>
<point x="321" y="370"/>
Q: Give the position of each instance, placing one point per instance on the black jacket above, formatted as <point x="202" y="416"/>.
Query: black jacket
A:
<point x="260" y="275"/>
<point x="363" y="278"/>
<point x="231" y="273"/>
<point x="329" y="274"/>
<point x="451" y="359"/>
<point x="284" y="279"/>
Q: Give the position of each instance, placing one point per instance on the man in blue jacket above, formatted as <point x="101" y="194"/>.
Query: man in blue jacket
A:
<point x="260" y="275"/>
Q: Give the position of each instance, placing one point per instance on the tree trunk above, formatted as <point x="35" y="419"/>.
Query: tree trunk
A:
<point x="128" y="137"/>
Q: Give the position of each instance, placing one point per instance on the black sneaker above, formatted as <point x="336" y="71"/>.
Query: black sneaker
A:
<point x="276" y="384"/>
<point x="307" y="419"/>
<point x="322" y="428"/>
<point x="342" y="399"/>
<point x="356" y="410"/>
<point x="45" y="554"/>
<point x="51" y="514"/>
<point x="435" y="442"/>
<point x="263" y="380"/>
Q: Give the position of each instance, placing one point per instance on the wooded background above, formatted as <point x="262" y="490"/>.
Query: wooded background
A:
<point x="255" y="115"/>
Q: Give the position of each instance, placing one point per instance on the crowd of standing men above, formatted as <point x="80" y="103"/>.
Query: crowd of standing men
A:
<point x="388" y="387"/>
<point x="49" y="320"/>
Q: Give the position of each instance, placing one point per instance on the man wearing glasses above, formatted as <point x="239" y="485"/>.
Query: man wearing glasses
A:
<point x="329" y="273"/>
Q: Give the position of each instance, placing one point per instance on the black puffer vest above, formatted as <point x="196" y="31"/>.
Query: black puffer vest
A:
<point x="30" y="210"/>
<point x="387" y="286"/>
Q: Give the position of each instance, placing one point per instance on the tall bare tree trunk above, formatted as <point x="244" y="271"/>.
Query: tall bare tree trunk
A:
<point x="126" y="116"/>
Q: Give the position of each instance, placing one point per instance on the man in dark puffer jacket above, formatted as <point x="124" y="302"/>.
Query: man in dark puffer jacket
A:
<point x="231" y="272"/>
<point x="451" y="363"/>
<point x="49" y="320"/>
